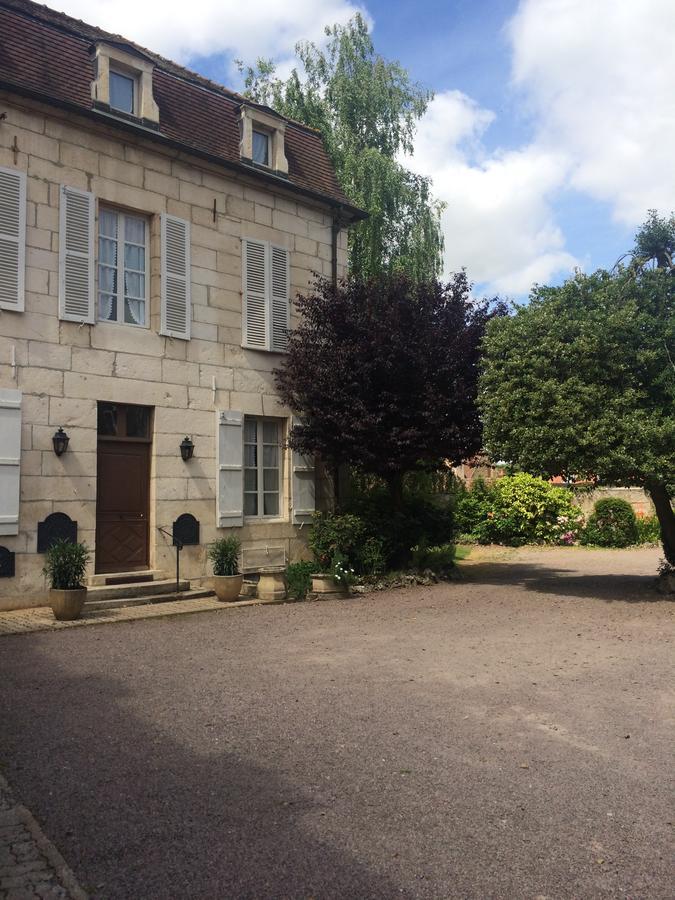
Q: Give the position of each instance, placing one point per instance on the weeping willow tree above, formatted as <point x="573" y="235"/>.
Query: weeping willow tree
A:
<point x="366" y="109"/>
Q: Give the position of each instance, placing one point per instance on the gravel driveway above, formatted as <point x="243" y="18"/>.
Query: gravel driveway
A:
<point x="507" y="736"/>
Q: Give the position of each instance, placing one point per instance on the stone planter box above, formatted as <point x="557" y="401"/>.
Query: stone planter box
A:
<point x="271" y="585"/>
<point x="326" y="587"/>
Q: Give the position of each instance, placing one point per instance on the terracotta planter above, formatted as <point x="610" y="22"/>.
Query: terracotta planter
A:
<point x="67" y="605"/>
<point x="228" y="587"/>
<point x="326" y="587"/>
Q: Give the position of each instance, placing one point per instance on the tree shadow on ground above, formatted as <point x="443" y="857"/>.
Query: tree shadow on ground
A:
<point x="138" y="815"/>
<point x="609" y="587"/>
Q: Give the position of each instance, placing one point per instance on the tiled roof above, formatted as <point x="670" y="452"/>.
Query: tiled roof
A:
<point x="50" y="55"/>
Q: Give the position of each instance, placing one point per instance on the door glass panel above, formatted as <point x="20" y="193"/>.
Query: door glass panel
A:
<point x="270" y="479"/>
<point x="271" y="504"/>
<point x="250" y="431"/>
<point x="138" y="421"/>
<point x="270" y="432"/>
<point x="107" y="419"/>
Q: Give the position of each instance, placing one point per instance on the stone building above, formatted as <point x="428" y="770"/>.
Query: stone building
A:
<point x="154" y="227"/>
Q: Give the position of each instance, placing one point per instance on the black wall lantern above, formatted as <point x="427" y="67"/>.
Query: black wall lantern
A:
<point x="60" y="442"/>
<point x="187" y="448"/>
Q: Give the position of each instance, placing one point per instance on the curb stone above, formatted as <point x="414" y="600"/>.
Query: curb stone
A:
<point x="31" y="878"/>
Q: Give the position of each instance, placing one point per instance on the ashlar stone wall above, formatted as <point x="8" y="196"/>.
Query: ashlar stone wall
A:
<point x="64" y="368"/>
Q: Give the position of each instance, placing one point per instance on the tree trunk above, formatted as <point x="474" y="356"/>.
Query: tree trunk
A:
<point x="664" y="512"/>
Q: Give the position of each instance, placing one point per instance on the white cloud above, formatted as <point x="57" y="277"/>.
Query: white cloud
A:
<point x="599" y="76"/>
<point x="181" y="30"/>
<point x="498" y="222"/>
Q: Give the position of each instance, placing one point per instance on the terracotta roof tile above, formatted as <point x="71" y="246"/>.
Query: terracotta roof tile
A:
<point x="50" y="54"/>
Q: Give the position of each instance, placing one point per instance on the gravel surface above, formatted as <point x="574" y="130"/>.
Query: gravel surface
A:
<point x="507" y="736"/>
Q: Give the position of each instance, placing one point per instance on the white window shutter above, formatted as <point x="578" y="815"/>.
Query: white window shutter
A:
<point x="255" y="277"/>
<point x="12" y="239"/>
<point x="230" y="462"/>
<point x="76" y="255"/>
<point x="280" y="297"/>
<point x="176" y="278"/>
<point x="304" y="485"/>
<point x="10" y="456"/>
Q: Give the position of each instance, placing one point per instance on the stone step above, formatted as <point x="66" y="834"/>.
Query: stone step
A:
<point x="143" y="589"/>
<point x="120" y="602"/>
<point x="144" y="575"/>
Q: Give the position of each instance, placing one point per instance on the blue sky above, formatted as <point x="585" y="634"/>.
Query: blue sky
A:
<point x="553" y="127"/>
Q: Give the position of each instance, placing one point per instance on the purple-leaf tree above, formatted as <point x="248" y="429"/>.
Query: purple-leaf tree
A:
<point x="383" y="373"/>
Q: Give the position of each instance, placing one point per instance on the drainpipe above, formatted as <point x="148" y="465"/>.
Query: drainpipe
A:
<point x="338" y="223"/>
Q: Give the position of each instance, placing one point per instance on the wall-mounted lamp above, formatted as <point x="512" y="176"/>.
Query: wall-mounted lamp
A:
<point x="187" y="448"/>
<point x="60" y="441"/>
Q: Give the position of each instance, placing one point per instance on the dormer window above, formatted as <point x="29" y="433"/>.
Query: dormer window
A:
<point x="122" y="90"/>
<point x="123" y="84"/>
<point x="261" y="148"/>
<point x="262" y="139"/>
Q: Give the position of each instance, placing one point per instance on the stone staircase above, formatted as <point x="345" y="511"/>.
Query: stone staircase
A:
<point x="118" y="589"/>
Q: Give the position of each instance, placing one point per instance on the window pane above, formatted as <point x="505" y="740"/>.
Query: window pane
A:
<point x="107" y="419"/>
<point x="250" y="431"/>
<point x="134" y="257"/>
<point x="134" y="311"/>
<point x="270" y="479"/>
<point x="138" y="421"/>
<point x="134" y="230"/>
<point x="250" y="504"/>
<point x="270" y="456"/>
<point x="271" y="504"/>
<point x="250" y="455"/>
<point x="250" y="480"/>
<point x="107" y="251"/>
<point x="261" y="145"/>
<point x="270" y="432"/>
<point x="107" y="279"/>
<point x="134" y="285"/>
<point x="107" y="223"/>
<point x="122" y="92"/>
<point x="107" y="307"/>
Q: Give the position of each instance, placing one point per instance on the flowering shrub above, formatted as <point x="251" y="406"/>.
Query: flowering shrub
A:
<point x="611" y="524"/>
<point x="343" y="574"/>
<point x="519" y="509"/>
<point x="648" y="529"/>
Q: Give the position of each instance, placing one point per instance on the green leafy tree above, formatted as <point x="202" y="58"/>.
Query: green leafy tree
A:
<point x="366" y="109"/>
<point x="582" y="382"/>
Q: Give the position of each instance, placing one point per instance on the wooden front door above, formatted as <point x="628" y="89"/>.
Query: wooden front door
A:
<point x="123" y="488"/>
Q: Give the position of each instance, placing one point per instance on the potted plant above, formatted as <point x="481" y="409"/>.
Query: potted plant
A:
<point x="65" y="567"/>
<point x="227" y="581"/>
<point x="336" y="582"/>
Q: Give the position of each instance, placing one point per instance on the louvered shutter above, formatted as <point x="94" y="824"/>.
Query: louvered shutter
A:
<point x="255" y="282"/>
<point x="10" y="455"/>
<point x="76" y="256"/>
<point x="280" y="291"/>
<point x="304" y="485"/>
<point x="176" y="288"/>
<point x="12" y="239"/>
<point x="230" y="462"/>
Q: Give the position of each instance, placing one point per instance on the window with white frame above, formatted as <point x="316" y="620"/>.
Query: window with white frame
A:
<point x="261" y="147"/>
<point x="262" y="467"/>
<point x="123" y="90"/>
<point x="122" y="267"/>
